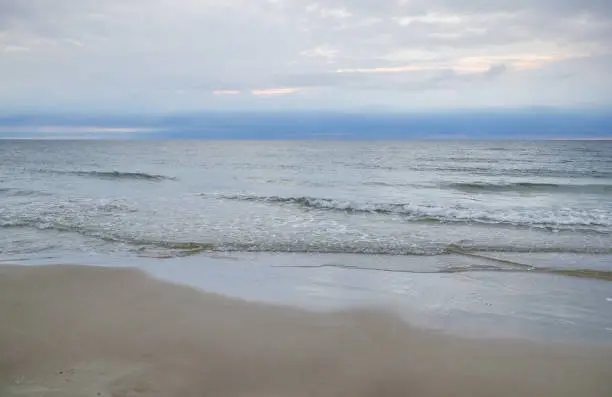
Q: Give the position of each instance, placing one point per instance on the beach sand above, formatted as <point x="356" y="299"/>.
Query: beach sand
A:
<point x="88" y="331"/>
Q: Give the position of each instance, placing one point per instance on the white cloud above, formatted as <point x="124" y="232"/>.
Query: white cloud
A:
<point x="432" y="18"/>
<point x="324" y="12"/>
<point x="391" y="69"/>
<point x="322" y="51"/>
<point x="140" y="54"/>
<point x="275" y="91"/>
<point x="15" y="48"/>
<point x="226" y="92"/>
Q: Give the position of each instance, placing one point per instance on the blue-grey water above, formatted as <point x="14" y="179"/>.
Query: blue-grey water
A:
<point x="499" y="238"/>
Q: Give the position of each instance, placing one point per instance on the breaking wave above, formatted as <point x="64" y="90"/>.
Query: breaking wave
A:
<point x="170" y="248"/>
<point x="588" y="220"/>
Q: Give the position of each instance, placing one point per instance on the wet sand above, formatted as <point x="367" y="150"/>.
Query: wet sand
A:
<point x="89" y="331"/>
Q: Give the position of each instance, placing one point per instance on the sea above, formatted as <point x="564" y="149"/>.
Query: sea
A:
<point x="499" y="239"/>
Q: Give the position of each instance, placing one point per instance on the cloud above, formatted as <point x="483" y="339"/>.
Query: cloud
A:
<point x="397" y="79"/>
<point x="170" y="55"/>
<point x="323" y="51"/>
<point x="71" y="129"/>
<point x="477" y="64"/>
<point x="431" y="18"/>
<point x="226" y="92"/>
<point x="392" y="69"/>
<point x="15" y="48"/>
<point x="276" y="91"/>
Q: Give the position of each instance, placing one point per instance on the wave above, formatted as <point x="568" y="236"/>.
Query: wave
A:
<point x="13" y="192"/>
<point x="529" y="187"/>
<point x="124" y="175"/>
<point x="587" y="220"/>
<point x="112" y="175"/>
<point x="392" y="184"/>
<point x="517" y="172"/>
<point x="170" y="248"/>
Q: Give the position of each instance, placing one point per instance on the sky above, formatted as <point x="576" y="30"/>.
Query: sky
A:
<point x="375" y="56"/>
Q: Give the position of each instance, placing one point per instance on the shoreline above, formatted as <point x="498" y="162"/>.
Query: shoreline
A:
<point x="540" y="307"/>
<point x="83" y="330"/>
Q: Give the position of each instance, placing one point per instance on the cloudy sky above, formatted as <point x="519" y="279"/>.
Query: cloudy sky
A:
<point x="190" y="55"/>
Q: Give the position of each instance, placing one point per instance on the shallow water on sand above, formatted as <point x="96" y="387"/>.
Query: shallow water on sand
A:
<point x="76" y="331"/>
<point x="484" y="238"/>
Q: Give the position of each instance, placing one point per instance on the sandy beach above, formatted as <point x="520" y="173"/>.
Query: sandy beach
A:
<point x="89" y="331"/>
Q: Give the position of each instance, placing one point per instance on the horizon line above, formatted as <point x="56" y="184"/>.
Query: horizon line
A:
<point x="314" y="138"/>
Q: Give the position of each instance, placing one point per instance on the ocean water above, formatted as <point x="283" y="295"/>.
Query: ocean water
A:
<point x="491" y="237"/>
